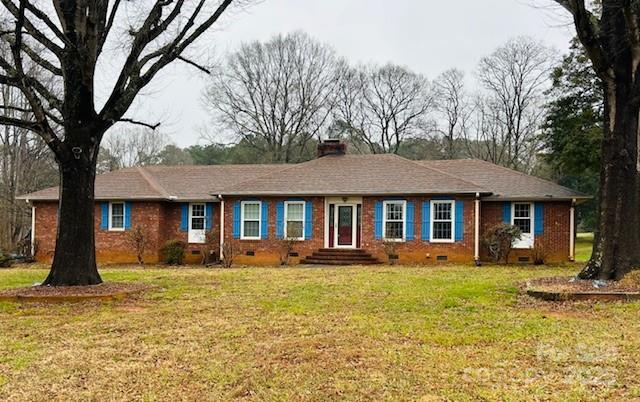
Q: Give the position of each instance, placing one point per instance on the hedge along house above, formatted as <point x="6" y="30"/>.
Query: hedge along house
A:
<point x="338" y="209"/>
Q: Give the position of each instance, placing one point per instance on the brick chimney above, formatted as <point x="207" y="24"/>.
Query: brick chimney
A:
<point x="331" y="146"/>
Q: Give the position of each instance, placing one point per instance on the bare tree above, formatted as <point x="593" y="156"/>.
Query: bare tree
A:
<point x="275" y="95"/>
<point x="454" y="110"/>
<point x="25" y="163"/>
<point x="383" y="106"/>
<point x="515" y="77"/>
<point x="139" y="147"/>
<point x="609" y="30"/>
<point x="66" y="39"/>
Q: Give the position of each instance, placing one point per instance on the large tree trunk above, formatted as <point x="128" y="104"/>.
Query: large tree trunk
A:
<point x="74" y="261"/>
<point x="616" y="248"/>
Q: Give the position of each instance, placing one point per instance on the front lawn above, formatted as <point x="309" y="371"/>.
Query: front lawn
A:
<point x="454" y="332"/>
<point x="584" y="246"/>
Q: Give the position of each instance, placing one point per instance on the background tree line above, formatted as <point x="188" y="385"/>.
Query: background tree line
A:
<point x="272" y="101"/>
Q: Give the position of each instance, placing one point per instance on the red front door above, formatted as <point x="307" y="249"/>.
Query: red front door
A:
<point x="345" y="225"/>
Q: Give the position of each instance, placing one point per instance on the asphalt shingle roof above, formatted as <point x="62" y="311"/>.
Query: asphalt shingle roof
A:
<point x="330" y="175"/>
<point x="503" y="182"/>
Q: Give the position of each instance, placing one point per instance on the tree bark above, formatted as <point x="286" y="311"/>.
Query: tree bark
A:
<point x="74" y="261"/>
<point x="616" y="249"/>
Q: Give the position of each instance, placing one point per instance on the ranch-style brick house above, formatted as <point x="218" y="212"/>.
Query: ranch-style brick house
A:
<point x="339" y="208"/>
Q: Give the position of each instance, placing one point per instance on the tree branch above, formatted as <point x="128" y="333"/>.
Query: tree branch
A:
<point x="587" y="32"/>
<point x="140" y="123"/>
<point x="130" y="82"/>
<point x="194" y="64"/>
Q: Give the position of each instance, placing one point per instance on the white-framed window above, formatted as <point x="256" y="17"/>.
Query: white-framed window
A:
<point x="197" y="213"/>
<point x="250" y="218"/>
<point x="442" y="222"/>
<point x="196" y="217"/>
<point x="116" y="216"/>
<point x="294" y="220"/>
<point x="522" y="217"/>
<point x="394" y="217"/>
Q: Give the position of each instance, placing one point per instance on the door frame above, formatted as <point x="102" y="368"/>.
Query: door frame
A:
<point x="354" y="225"/>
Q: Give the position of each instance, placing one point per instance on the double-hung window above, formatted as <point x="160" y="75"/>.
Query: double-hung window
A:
<point x="251" y="215"/>
<point x="394" y="220"/>
<point x="522" y="217"/>
<point x="116" y="216"/>
<point x="294" y="220"/>
<point x="197" y="217"/>
<point x="442" y="213"/>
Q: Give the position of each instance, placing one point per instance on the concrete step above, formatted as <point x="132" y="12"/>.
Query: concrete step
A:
<point x="339" y="262"/>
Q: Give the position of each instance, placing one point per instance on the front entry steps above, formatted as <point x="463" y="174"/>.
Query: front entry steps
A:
<point x="335" y="256"/>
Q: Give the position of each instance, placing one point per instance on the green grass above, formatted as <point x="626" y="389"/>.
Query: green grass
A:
<point x="381" y="333"/>
<point x="584" y="244"/>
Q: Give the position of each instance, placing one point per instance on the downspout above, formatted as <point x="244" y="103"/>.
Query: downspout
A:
<point x="572" y="231"/>
<point x="476" y="251"/>
<point x="33" y="231"/>
<point x="221" y="227"/>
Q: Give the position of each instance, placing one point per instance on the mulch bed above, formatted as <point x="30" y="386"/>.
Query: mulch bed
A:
<point x="108" y="291"/>
<point x="567" y="289"/>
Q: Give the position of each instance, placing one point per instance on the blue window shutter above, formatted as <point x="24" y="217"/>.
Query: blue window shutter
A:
<point x="459" y="205"/>
<point x="127" y="216"/>
<point x="236" y="219"/>
<point x="377" y="217"/>
<point x="506" y="212"/>
<point x="539" y="218"/>
<point x="184" y="217"/>
<point x="410" y="219"/>
<point x="308" y="220"/>
<point x="426" y="220"/>
<point x="104" y="222"/>
<point x="280" y="220"/>
<point x="208" y="217"/>
<point x="264" y="226"/>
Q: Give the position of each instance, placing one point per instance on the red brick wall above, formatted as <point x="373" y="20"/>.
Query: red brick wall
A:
<point x="171" y="214"/>
<point x="554" y="241"/>
<point x="162" y="222"/>
<point x="268" y="251"/>
<point x="418" y="251"/>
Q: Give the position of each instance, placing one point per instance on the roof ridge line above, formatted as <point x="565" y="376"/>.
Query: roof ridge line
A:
<point x="442" y="172"/>
<point x="153" y="182"/>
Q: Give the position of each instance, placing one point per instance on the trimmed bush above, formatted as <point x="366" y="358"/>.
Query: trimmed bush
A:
<point x="5" y="261"/>
<point x="173" y="252"/>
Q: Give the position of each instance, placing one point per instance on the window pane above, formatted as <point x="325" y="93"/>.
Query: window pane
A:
<point x="117" y="216"/>
<point x="295" y="211"/>
<point x="442" y="230"/>
<point x="251" y="229"/>
<point x="522" y="210"/>
<point x="394" y="211"/>
<point x="523" y="224"/>
<point x="393" y="230"/>
<point x="117" y="222"/>
<point x="197" y="210"/>
<point x="252" y="211"/>
<point x="442" y="211"/>
<point x="294" y="229"/>
<point x="117" y="209"/>
<point x="197" y="223"/>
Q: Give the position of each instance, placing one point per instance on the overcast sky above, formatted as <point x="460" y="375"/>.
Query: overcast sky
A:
<point x="428" y="36"/>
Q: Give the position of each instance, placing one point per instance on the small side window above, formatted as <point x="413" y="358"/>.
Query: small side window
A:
<point x="116" y="216"/>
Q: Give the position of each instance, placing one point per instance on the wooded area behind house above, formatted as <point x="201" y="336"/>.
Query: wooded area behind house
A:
<point x="527" y="111"/>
